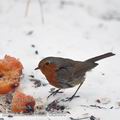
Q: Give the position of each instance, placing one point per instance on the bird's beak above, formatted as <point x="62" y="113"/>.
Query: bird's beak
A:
<point x="36" y="68"/>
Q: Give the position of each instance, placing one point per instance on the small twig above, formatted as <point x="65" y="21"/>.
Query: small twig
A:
<point x="42" y="12"/>
<point x="84" y="118"/>
<point x="71" y="118"/>
<point x="87" y="117"/>
<point x="27" y="7"/>
<point x="94" y="106"/>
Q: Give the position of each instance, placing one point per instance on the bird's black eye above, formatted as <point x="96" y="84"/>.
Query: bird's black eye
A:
<point x="47" y="63"/>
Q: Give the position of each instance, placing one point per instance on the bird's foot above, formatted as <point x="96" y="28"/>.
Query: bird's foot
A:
<point x="55" y="92"/>
<point x="71" y="98"/>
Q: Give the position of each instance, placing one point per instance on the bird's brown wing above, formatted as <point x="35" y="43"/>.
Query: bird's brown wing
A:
<point x="72" y="74"/>
<point x="64" y="75"/>
<point x="82" y="67"/>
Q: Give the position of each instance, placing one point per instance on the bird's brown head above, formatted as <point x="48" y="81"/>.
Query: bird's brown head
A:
<point x="47" y="65"/>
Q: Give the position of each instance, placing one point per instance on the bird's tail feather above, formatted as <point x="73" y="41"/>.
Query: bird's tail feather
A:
<point x="94" y="59"/>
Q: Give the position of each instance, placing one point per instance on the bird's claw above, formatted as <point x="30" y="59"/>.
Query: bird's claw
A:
<point x="54" y="93"/>
<point x="71" y="98"/>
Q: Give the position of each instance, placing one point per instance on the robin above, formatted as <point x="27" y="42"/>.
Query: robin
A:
<point x="66" y="73"/>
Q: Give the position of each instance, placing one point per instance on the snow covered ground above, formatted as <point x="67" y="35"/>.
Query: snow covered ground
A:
<point x="76" y="29"/>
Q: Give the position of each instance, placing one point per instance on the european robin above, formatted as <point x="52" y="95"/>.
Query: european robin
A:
<point x="66" y="73"/>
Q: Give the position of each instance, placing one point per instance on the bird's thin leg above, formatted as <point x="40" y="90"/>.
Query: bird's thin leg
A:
<point x="54" y="93"/>
<point x="70" y="98"/>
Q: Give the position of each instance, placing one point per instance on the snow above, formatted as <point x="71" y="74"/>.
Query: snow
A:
<point x="77" y="29"/>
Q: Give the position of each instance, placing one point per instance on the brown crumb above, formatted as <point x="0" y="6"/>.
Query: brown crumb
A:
<point x="10" y="116"/>
<point x="33" y="45"/>
<point x="32" y="76"/>
<point x="103" y="74"/>
<point x="36" y="52"/>
<point x="92" y="117"/>
<point x="118" y="103"/>
<point x="30" y="32"/>
<point x="98" y="101"/>
<point x="37" y="82"/>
